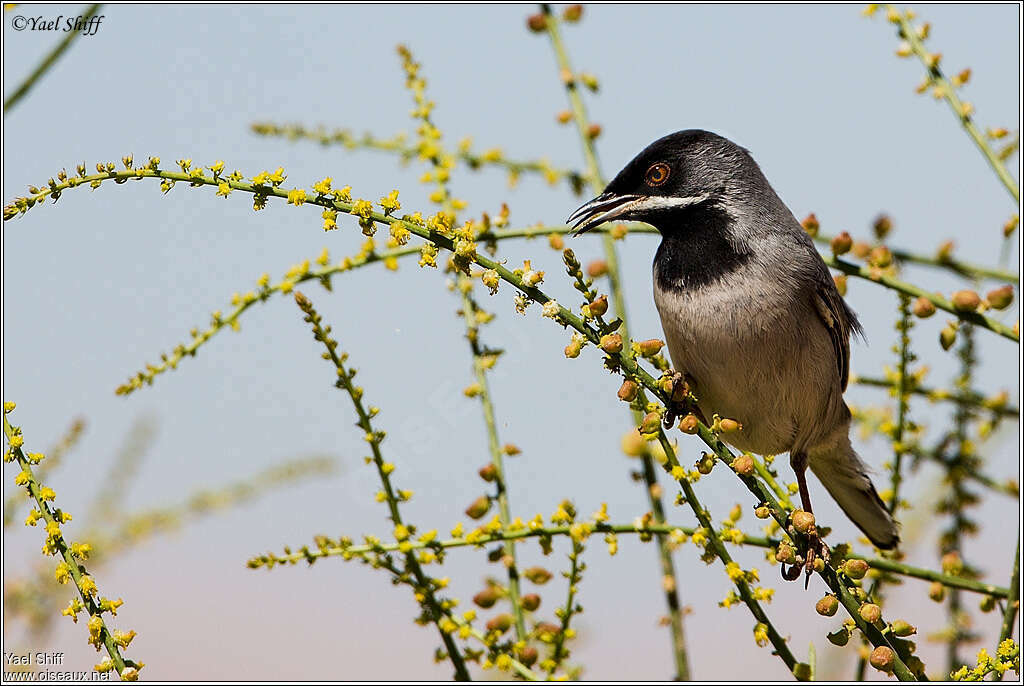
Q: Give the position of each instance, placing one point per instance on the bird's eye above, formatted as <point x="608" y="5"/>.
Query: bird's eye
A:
<point x="657" y="174"/>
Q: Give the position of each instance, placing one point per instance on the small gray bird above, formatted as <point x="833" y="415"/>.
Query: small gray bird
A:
<point x="751" y="314"/>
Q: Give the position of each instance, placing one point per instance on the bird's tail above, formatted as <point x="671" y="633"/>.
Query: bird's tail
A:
<point x="841" y="471"/>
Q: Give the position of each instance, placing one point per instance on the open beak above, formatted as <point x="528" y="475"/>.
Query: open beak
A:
<point x="601" y="209"/>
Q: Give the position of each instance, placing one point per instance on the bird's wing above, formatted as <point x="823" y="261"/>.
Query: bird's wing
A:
<point x="838" y="321"/>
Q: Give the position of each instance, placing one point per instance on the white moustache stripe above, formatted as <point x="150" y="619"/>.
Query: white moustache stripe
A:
<point x="663" y="202"/>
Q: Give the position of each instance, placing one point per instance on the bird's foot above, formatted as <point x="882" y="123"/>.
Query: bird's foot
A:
<point x="679" y="389"/>
<point x="815" y="557"/>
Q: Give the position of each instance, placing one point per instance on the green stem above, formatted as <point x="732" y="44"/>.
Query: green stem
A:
<point x="908" y="33"/>
<point x="76" y="569"/>
<point x="424" y="585"/>
<point x="596" y="181"/>
<point x="1013" y="599"/>
<point x="967" y="397"/>
<point x="47" y="63"/>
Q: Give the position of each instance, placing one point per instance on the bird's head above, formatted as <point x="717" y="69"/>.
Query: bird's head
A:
<point x="675" y="174"/>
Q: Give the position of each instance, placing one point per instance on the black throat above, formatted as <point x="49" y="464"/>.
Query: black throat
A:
<point x="695" y="250"/>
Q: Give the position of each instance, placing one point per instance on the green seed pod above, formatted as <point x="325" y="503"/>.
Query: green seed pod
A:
<point x="479" y="507"/>
<point x="841" y="244"/>
<point x="744" y="464"/>
<point x="827" y="606"/>
<point x="572" y="13"/>
<point x="762" y="512"/>
<point x="528" y="655"/>
<point x="706" y="463"/>
<point x="611" y="343"/>
<point x="803" y="521"/>
<point x="598" y="306"/>
<point x="537" y="575"/>
<point x="883" y="659"/>
<point x="651" y="423"/>
<point x="688" y="424"/>
<point x="855" y="569"/>
<point x="488" y="472"/>
<point x="882" y="226"/>
<point x="530" y="602"/>
<point x="1000" y="298"/>
<point x="947" y="337"/>
<point x="937" y="591"/>
<point x="903" y="629"/>
<point x="966" y="301"/>
<point x="785" y="554"/>
<point x="628" y="390"/>
<point x="500" y="623"/>
<point x="651" y="347"/>
<point x="487" y="597"/>
<point x="811" y="225"/>
<point x="537" y="22"/>
<point x="870" y="613"/>
<point x="923" y="307"/>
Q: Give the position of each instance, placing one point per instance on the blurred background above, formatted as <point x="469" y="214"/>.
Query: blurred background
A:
<point x="104" y="282"/>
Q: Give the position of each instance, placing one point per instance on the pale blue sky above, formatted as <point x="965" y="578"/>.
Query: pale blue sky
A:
<point x="103" y="282"/>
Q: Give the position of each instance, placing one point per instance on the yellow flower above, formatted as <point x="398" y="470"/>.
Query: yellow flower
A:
<point x="223" y="189"/>
<point x="296" y="197"/>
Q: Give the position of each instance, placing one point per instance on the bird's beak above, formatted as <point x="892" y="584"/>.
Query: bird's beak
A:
<point x="601" y="209"/>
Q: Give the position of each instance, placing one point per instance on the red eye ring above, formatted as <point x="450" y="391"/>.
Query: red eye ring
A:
<point x="657" y="174"/>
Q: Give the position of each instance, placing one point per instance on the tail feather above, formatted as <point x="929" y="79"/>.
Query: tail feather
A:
<point x="845" y="477"/>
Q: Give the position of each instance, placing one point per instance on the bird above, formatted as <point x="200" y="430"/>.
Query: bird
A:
<point x="751" y="315"/>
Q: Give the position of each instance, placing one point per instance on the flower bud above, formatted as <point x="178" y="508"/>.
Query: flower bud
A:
<point x="706" y="462"/>
<point x="537" y="22"/>
<point x="487" y="597"/>
<point x="537" y="575"/>
<point x="488" y="472"/>
<point x="1000" y="298"/>
<point x="903" y="629"/>
<point x="937" y="591"/>
<point x="882" y="226"/>
<point x="598" y="306"/>
<point x="528" y="655"/>
<point x="590" y="81"/>
<point x="611" y="343"/>
<point x="827" y="606"/>
<point x="597" y="268"/>
<point x="841" y="244"/>
<point x="883" y="658"/>
<point x="861" y="249"/>
<point x="988" y="603"/>
<point x="688" y="424"/>
<point x="572" y="13"/>
<point x="855" y="569"/>
<point x="923" y="307"/>
<point x="628" y="390"/>
<point x="530" y="601"/>
<point x="651" y="347"/>
<point x="870" y="613"/>
<point x="762" y="512"/>
<point x="945" y="251"/>
<point x="947" y="337"/>
<point x="651" y="423"/>
<point x="729" y="425"/>
<point x="744" y="464"/>
<point x="500" y="623"/>
<point x="633" y="444"/>
<point x="564" y="117"/>
<point x="479" y="507"/>
<point x="803" y="521"/>
<point x="593" y="131"/>
<point x="785" y="553"/>
<point x="556" y="242"/>
<point x="966" y="301"/>
<point x="811" y="225"/>
<point x="880" y="256"/>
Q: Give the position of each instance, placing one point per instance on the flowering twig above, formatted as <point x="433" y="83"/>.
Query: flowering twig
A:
<point x="424" y="587"/>
<point x="72" y="555"/>
<point x="398" y="144"/>
<point x="944" y="88"/>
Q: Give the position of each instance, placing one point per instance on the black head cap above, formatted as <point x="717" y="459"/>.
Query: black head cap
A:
<point x="676" y="172"/>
